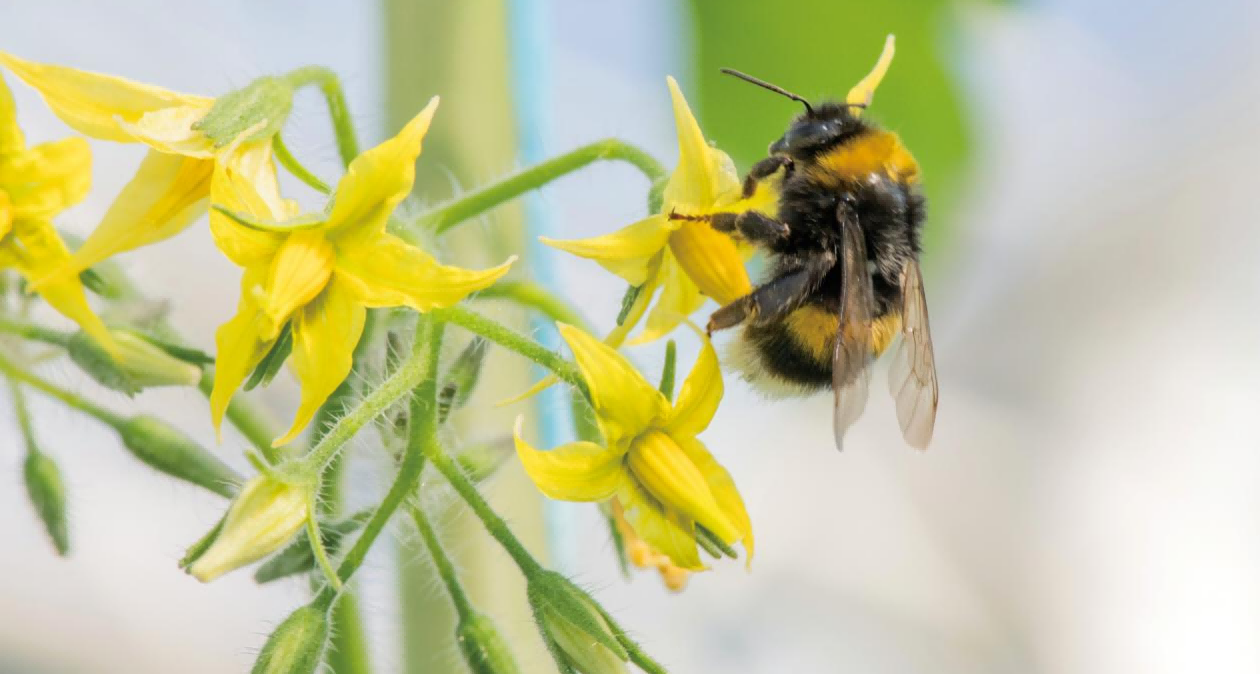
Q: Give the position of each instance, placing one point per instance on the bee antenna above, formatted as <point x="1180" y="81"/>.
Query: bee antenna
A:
<point x="772" y="87"/>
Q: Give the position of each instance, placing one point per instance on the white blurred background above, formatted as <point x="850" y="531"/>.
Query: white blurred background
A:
<point x="1090" y="499"/>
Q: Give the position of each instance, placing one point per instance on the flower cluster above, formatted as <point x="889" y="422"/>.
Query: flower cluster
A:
<point x="311" y="283"/>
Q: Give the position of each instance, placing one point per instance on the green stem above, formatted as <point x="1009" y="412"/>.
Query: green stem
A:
<point x="534" y="296"/>
<point x="253" y="425"/>
<point x="321" y="553"/>
<point x="23" y="413"/>
<point x="502" y="335"/>
<point x="483" y="199"/>
<point x="409" y="374"/>
<point x="493" y="523"/>
<point x="445" y="568"/>
<point x="36" y="332"/>
<point x="67" y="397"/>
<point x="426" y="350"/>
<point x="343" y="126"/>
<point x="295" y="167"/>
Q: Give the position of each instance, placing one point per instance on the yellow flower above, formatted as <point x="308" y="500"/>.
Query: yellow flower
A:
<point x="320" y="273"/>
<point x="35" y="185"/>
<point x="173" y="185"/>
<point x="663" y="476"/>
<point x="689" y="260"/>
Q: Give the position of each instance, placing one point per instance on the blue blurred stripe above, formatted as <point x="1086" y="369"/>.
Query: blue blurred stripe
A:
<point x="529" y="69"/>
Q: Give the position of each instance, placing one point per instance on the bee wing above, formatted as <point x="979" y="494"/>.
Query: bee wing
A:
<point x="912" y="378"/>
<point x="851" y="360"/>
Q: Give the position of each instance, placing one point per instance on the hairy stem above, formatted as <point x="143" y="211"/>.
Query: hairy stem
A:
<point x="532" y="295"/>
<point x="293" y="166"/>
<point x="67" y="397"/>
<point x="426" y="350"/>
<point x="330" y="86"/>
<point x="483" y="199"/>
<point x="445" y="568"/>
<point x="506" y="337"/>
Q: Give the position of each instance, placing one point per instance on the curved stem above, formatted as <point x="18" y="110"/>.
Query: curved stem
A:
<point x="347" y="140"/>
<point x="23" y="413"/>
<point x="483" y="199"/>
<point x="533" y="295"/>
<point x="445" y="568"/>
<point x="493" y="523"/>
<point x="502" y="335"/>
<point x="67" y="397"/>
<point x="290" y="163"/>
<point x="428" y="347"/>
<point x="321" y="553"/>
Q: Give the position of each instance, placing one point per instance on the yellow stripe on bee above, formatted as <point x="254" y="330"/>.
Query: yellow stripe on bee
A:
<point x="815" y="329"/>
<point x="876" y="151"/>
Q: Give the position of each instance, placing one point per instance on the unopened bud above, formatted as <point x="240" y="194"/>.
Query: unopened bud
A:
<point x="483" y="647"/>
<point x="298" y="557"/>
<point x="573" y="626"/>
<point x="462" y="378"/>
<point x="168" y="450"/>
<point x="263" y="517"/>
<point x="48" y="495"/>
<point x="137" y="363"/>
<point x="297" y="645"/>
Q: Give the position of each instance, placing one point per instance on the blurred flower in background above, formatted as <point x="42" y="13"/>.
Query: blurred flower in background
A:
<point x="1089" y="500"/>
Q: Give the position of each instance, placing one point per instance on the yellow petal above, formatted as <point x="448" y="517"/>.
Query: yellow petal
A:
<point x="385" y="271"/>
<point x="167" y="194"/>
<point x="679" y="299"/>
<point x="628" y="252"/>
<point x="668" y="474"/>
<point x="299" y="271"/>
<point x="379" y="179"/>
<point x="625" y="404"/>
<point x="171" y="130"/>
<point x="711" y="260"/>
<point x="239" y="347"/>
<point x="93" y="103"/>
<point x="577" y="472"/>
<point x="43" y="251"/>
<point x="667" y="532"/>
<point x="246" y="184"/>
<point x="324" y="337"/>
<point x="694" y="182"/>
<point x="701" y="393"/>
<point x="723" y="489"/>
<point x="11" y="139"/>
<point x="6" y="215"/>
<point x="863" y="92"/>
<point x="48" y="178"/>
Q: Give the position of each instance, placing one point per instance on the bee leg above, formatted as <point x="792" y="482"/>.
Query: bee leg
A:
<point x="753" y="226"/>
<point x="764" y="169"/>
<point x="772" y="300"/>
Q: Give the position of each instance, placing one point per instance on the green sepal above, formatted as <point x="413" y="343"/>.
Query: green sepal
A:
<point x="48" y="496"/>
<point x="483" y="647"/>
<point x="203" y="544"/>
<point x="270" y="365"/>
<point x="462" y="378"/>
<point x="298" y="558"/>
<point x="139" y="362"/>
<point x="627" y="303"/>
<point x="479" y="461"/>
<point x="297" y="645"/>
<point x="560" y="605"/>
<point x="260" y="109"/>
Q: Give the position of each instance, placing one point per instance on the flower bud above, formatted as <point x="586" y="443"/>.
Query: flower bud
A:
<point x="168" y="450"/>
<point x="297" y="645"/>
<point x="297" y="557"/>
<point x="257" y="111"/>
<point x="483" y="647"/>
<point x="48" y="495"/>
<point x="573" y="626"/>
<point x="262" y="518"/>
<point x="137" y="363"/>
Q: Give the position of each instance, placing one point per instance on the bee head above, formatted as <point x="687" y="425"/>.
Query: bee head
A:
<point x="817" y="129"/>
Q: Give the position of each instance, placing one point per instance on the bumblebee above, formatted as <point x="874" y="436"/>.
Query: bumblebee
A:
<point x="844" y="240"/>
